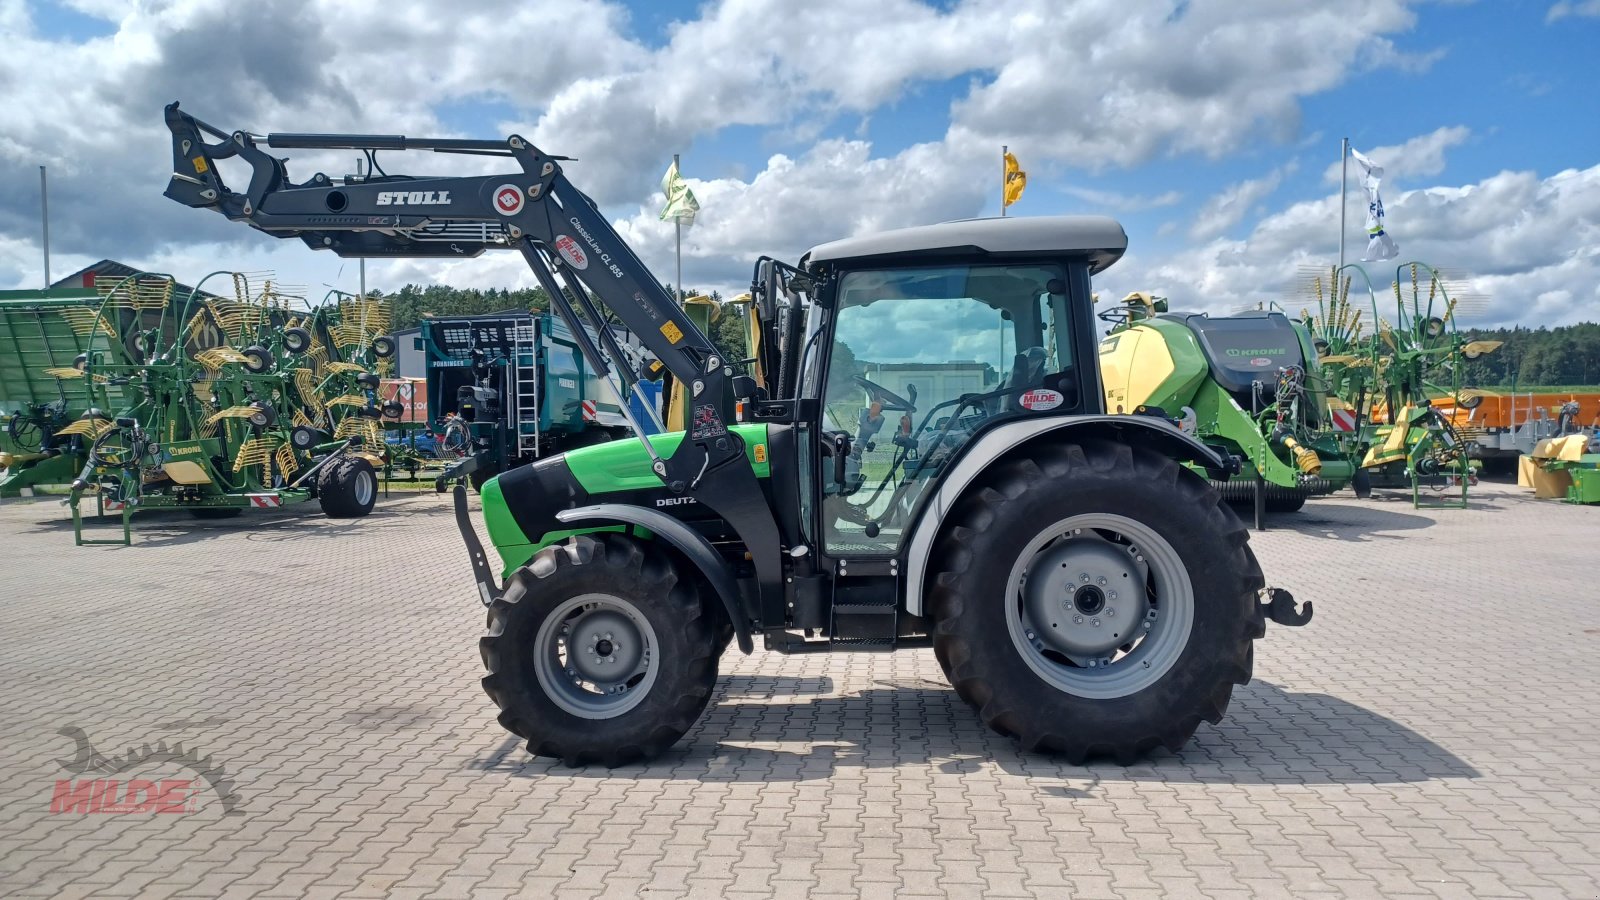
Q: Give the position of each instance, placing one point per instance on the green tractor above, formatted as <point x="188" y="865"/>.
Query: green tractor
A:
<point x="923" y="459"/>
<point x="1247" y="383"/>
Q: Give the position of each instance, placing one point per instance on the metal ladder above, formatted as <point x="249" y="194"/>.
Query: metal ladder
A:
<point x="525" y="388"/>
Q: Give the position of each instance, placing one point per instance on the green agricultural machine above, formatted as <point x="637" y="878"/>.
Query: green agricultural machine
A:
<point x="1084" y="589"/>
<point x="38" y="337"/>
<point x="508" y="388"/>
<point x="1395" y="377"/>
<point x="212" y="404"/>
<point x="1247" y="384"/>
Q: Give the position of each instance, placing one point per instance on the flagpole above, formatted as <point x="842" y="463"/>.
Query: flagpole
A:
<point x="1344" y="180"/>
<point x="677" y="227"/>
<point x="1003" y="151"/>
<point x="44" y="215"/>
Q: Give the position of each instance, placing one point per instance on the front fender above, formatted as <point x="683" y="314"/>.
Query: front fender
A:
<point x="1138" y="430"/>
<point x="694" y="547"/>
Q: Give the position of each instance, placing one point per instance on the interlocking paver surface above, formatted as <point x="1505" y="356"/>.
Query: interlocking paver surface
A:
<point x="1430" y="733"/>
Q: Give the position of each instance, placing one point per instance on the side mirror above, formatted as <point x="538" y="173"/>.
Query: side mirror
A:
<point x="911" y="393"/>
<point x="1160" y="305"/>
<point x="744" y="386"/>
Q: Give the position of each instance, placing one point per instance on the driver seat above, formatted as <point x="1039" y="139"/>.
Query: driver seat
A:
<point x="1027" y="370"/>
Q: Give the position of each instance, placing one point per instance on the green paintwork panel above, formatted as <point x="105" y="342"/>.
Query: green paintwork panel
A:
<point x="621" y="465"/>
<point x="625" y="466"/>
<point x="1189" y="367"/>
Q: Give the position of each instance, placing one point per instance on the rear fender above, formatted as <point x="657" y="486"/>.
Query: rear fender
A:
<point x="1150" y="432"/>
<point x="694" y="548"/>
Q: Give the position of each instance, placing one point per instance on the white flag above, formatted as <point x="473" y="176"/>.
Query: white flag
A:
<point x="1380" y="245"/>
<point x="681" y="204"/>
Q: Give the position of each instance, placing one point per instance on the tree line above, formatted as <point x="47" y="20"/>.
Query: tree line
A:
<point x="1567" y="355"/>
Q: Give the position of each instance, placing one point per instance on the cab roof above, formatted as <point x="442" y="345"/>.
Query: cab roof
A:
<point x="1098" y="238"/>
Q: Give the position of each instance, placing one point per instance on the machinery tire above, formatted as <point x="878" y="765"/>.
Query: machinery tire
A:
<point x="296" y="340"/>
<point x="556" y="590"/>
<point x="1202" y="545"/>
<point x="1361" y="483"/>
<point x="347" y="488"/>
<point x="257" y="359"/>
<point x="216" y="512"/>
<point x="383" y="347"/>
<point x="478" y="478"/>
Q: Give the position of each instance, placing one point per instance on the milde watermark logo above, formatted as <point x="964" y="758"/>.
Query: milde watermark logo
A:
<point x="127" y="785"/>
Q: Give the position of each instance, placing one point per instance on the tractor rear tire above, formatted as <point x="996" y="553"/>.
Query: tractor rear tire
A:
<point x="1123" y="514"/>
<point x="571" y="613"/>
<point x="347" y="488"/>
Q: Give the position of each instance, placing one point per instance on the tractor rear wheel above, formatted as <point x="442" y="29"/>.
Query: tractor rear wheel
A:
<point x="1095" y="600"/>
<point x="347" y="488"/>
<point x="599" y="653"/>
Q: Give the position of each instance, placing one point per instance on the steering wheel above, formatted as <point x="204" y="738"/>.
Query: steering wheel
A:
<point x="887" y="398"/>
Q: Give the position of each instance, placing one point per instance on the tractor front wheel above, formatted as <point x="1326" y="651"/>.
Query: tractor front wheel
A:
<point x="1095" y="600"/>
<point x="599" y="653"/>
<point x="347" y="488"/>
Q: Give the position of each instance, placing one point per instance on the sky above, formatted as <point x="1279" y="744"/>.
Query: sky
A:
<point x="1210" y="128"/>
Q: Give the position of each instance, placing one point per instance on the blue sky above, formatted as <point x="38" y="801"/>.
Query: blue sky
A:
<point x="1206" y="127"/>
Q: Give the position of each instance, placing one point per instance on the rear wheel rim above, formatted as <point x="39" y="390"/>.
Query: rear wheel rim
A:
<point x="1099" y="605"/>
<point x="595" y="656"/>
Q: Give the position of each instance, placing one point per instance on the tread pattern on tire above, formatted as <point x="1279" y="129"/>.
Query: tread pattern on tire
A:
<point x="513" y="685"/>
<point x="1000" y="705"/>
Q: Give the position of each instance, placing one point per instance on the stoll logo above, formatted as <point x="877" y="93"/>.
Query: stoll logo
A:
<point x="157" y="780"/>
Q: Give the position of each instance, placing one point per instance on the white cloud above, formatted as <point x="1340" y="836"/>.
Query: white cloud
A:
<point x="1566" y="8"/>
<point x="1423" y="155"/>
<point x="1530" y="244"/>
<point x="1229" y="207"/>
<point x="1124" y="203"/>
<point x="1089" y="86"/>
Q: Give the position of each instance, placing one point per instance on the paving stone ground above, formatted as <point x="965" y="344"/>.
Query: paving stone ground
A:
<point x="1431" y="733"/>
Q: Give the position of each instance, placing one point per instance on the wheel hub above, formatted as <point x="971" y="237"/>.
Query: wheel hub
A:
<point x="593" y="656"/>
<point x="605" y="647"/>
<point x="1085" y="597"/>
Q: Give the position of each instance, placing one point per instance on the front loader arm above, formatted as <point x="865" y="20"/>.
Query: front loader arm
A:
<point x="571" y="248"/>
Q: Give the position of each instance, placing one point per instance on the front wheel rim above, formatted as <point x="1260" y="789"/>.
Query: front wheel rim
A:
<point x="596" y="656"/>
<point x="1099" y="605"/>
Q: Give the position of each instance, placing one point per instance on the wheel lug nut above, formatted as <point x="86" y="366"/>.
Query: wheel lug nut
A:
<point x="1112" y="595"/>
<point x="1077" y="620"/>
<point x="611" y="659"/>
<point x="1110" y="612"/>
<point x="1083" y="577"/>
<point x="1100" y="581"/>
<point x="1096" y="623"/>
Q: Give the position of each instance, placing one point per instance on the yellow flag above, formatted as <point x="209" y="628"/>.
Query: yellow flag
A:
<point x="1016" y="180"/>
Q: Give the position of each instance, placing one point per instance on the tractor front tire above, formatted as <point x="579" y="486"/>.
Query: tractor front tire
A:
<point x="347" y="488"/>
<point x="598" y="652"/>
<point x="1095" y="600"/>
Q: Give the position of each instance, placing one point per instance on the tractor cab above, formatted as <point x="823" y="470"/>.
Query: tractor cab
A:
<point x="930" y="337"/>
